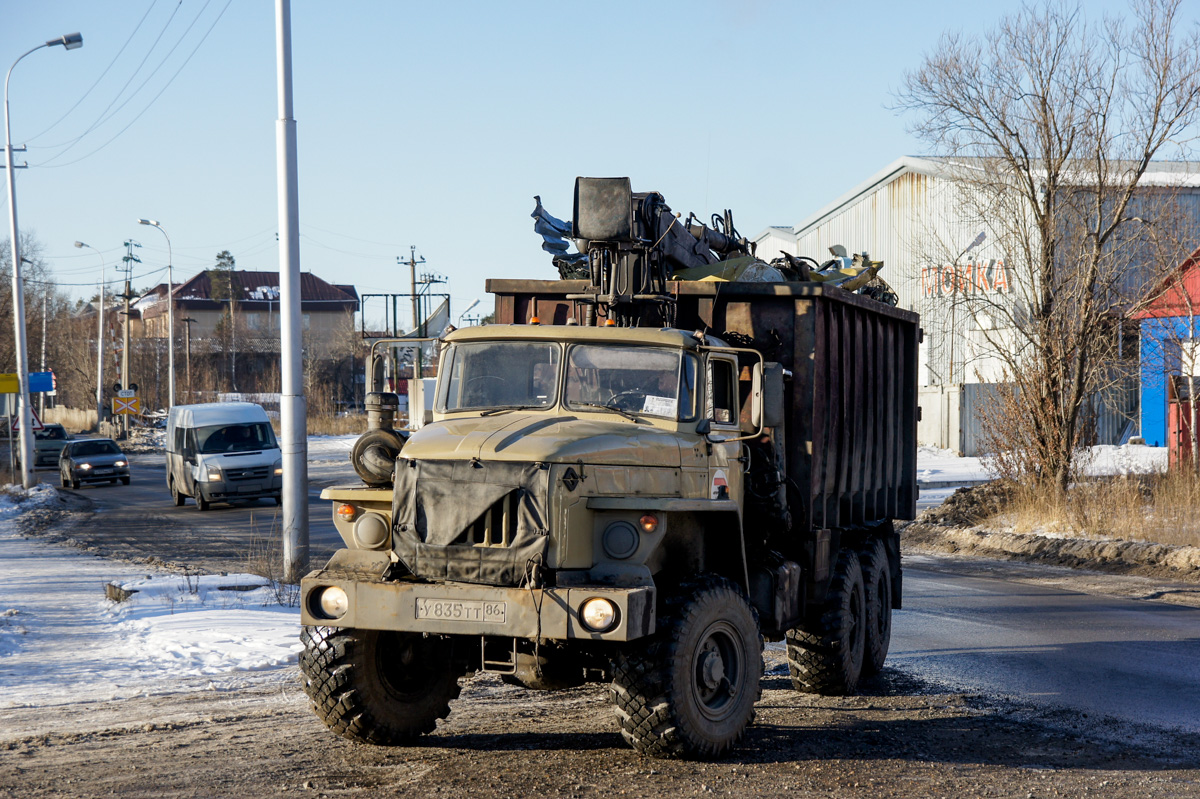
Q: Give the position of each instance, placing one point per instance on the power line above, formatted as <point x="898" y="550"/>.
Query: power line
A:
<point x="102" y="74"/>
<point x="152" y="100"/>
<point x="102" y="118"/>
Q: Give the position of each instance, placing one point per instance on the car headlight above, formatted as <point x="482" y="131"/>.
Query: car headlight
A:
<point x="329" y="603"/>
<point x="598" y="615"/>
<point x="120" y="463"/>
<point x="214" y="474"/>
<point x="83" y="467"/>
<point x="279" y="467"/>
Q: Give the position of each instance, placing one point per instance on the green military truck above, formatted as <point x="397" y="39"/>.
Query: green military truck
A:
<point x="602" y="496"/>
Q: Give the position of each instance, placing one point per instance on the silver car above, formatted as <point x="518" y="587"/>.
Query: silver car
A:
<point x="92" y="460"/>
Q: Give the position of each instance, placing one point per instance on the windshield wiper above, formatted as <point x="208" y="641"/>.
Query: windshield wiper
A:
<point x="613" y="408"/>
<point x="507" y="408"/>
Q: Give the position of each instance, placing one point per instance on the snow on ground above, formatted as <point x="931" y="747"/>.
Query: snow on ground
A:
<point x="943" y="467"/>
<point x="62" y="641"/>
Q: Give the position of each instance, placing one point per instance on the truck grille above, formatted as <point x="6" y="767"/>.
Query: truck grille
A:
<point x="248" y="473"/>
<point x="497" y="525"/>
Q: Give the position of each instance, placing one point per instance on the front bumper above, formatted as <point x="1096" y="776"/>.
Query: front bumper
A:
<point x="223" y="491"/>
<point x="101" y="475"/>
<point x="468" y="609"/>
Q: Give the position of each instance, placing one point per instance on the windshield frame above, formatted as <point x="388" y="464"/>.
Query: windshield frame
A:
<point x="685" y="389"/>
<point x="448" y="382"/>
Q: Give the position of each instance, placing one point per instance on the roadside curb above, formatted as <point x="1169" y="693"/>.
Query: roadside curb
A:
<point x="1162" y="561"/>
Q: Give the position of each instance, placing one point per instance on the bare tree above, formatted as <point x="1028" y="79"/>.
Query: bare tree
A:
<point x="1049" y="125"/>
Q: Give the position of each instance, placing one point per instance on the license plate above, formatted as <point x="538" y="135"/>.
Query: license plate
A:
<point x="476" y="610"/>
<point x="249" y="489"/>
<point x="104" y="471"/>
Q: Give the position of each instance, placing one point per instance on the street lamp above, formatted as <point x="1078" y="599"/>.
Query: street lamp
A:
<point x="170" y="315"/>
<point x="70" y="42"/>
<point x="99" y="338"/>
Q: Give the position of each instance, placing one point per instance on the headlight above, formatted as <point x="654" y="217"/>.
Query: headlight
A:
<point x="83" y="467"/>
<point x="598" y="615"/>
<point x="214" y="474"/>
<point x="620" y="540"/>
<point x="120" y="463"/>
<point x="329" y="603"/>
<point x="279" y="467"/>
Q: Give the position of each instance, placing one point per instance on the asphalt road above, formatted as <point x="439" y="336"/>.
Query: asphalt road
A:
<point x="1134" y="660"/>
<point x="141" y="520"/>
<point x="964" y="626"/>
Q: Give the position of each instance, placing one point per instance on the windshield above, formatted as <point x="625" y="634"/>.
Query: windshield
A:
<point x="50" y="434"/>
<point x="235" y="437"/>
<point x="89" y="449"/>
<point x="643" y="380"/>
<point x="493" y="374"/>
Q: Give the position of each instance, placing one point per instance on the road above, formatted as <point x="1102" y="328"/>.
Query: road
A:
<point x="140" y="520"/>
<point x="965" y="627"/>
<point x="1128" y="659"/>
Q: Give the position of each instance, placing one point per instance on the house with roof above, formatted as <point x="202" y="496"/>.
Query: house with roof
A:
<point x="916" y="215"/>
<point x="1170" y="352"/>
<point x="253" y="299"/>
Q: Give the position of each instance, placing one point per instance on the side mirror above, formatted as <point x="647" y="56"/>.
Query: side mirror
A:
<point x="704" y="427"/>
<point x="767" y="403"/>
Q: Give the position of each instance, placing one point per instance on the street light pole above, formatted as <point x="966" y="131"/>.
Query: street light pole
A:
<point x="170" y="315"/>
<point x="99" y="339"/>
<point x="28" y="480"/>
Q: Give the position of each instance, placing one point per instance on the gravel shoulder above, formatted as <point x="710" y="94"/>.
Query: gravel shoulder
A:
<point x="901" y="738"/>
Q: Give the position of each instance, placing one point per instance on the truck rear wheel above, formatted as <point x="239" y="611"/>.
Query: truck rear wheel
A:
<point x="378" y="687"/>
<point x="825" y="656"/>
<point x="877" y="582"/>
<point x="690" y="691"/>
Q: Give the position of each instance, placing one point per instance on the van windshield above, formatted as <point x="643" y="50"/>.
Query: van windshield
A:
<point x="235" y="437"/>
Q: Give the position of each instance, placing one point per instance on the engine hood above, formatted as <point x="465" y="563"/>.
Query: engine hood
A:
<point x="526" y="437"/>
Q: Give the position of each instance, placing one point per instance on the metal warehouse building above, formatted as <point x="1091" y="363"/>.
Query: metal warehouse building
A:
<point x="909" y="214"/>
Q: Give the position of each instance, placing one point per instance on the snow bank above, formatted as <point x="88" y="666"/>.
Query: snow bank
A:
<point x="63" y="641"/>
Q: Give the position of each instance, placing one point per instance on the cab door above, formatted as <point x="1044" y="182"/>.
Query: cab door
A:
<point x="722" y="410"/>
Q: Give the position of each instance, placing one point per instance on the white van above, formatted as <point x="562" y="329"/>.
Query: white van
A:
<point x="221" y="452"/>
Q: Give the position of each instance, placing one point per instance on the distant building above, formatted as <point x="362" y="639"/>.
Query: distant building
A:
<point x="910" y="215"/>
<point x="1170" y="347"/>
<point x="325" y="308"/>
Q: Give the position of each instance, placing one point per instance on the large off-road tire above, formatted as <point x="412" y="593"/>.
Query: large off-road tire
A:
<point x="378" y="687"/>
<point x="825" y="656"/>
<point x="690" y="690"/>
<point x="877" y="585"/>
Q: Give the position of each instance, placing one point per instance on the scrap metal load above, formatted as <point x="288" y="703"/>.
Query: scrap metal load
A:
<point x="630" y="246"/>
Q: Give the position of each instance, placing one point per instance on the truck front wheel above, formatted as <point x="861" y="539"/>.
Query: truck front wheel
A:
<point x="378" y="687"/>
<point x="825" y="656"/>
<point x="690" y="691"/>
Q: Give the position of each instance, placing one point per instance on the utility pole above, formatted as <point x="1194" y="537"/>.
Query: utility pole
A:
<point x="130" y="259"/>
<point x="416" y="307"/>
<point x="187" y="337"/>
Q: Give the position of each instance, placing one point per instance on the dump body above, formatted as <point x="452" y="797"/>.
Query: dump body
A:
<point x="851" y="404"/>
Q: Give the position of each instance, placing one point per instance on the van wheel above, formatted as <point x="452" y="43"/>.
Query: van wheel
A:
<point x="690" y="690"/>
<point x="825" y="655"/>
<point x="877" y="580"/>
<point x="176" y="497"/>
<point x="278" y="501"/>
<point x="202" y="504"/>
<point x="377" y="686"/>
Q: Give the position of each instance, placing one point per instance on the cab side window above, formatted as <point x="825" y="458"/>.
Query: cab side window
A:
<point x="722" y="403"/>
<point x="177" y="445"/>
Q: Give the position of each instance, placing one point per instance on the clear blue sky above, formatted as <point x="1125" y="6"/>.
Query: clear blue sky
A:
<point x="435" y="124"/>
